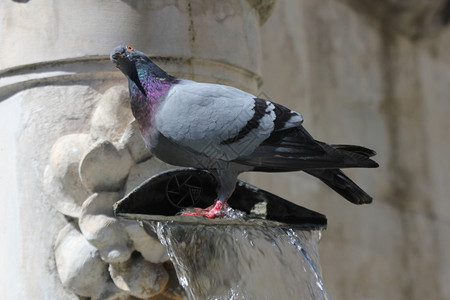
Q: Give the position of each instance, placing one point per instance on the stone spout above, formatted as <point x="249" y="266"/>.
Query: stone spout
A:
<point x="165" y="195"/>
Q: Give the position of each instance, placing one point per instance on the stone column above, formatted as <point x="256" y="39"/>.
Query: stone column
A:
<point x="66" y="140"/>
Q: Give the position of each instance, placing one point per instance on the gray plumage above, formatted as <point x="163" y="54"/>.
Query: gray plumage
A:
<point x="228" y="131"/>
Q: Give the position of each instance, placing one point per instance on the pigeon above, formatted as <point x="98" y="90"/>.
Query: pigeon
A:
<point x="227" y="131"/>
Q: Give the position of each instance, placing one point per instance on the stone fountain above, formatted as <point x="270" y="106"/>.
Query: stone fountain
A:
<point x="73" y="144"/>
<point x="264" y="248"/>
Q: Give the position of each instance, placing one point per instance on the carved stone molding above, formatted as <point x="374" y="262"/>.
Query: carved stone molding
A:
<point x="97" y="254"/>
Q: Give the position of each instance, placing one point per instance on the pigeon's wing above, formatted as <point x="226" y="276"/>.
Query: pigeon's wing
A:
<point x="219" y="121"/>
<point x="340" y="183"/>
<point x="294" y="149"/>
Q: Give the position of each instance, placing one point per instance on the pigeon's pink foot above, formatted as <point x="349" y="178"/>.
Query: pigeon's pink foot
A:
<point x="218" y="209"/>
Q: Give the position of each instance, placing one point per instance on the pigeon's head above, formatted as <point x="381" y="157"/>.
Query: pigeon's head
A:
<point x="131" y="62"/>
<point x="126" y="59"/>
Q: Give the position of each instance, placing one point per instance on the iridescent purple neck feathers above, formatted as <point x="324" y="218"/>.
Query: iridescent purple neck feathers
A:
<point x="143" y="105"/>
<point x="148" y="83"/>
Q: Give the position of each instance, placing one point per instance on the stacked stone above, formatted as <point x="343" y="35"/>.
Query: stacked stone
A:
<point x="97" y="254"/>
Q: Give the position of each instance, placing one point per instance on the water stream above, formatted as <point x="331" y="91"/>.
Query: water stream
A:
<point x="252" y="253"/>
<point x="244" y="259"/>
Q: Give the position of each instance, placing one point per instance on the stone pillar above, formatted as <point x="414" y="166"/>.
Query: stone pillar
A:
<point x="64" y="125"/>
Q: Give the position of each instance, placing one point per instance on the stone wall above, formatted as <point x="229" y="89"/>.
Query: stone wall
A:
<point x="359" y="78"/>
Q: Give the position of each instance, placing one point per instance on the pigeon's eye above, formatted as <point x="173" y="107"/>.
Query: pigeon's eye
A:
<point x="130" y="48"/>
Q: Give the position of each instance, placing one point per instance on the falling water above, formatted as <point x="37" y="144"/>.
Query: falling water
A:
<point x="244" y="259"/>
<point x="252" y="253"/>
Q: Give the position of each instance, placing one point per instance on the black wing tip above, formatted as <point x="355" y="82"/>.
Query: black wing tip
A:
<point x="366" y="201"/>
<point x="359" y="198"/>
<point x="359" y="157"/>
<point x="356" y="149"/>
<point x="341" y="184"/>
<point x="372" y="164"/>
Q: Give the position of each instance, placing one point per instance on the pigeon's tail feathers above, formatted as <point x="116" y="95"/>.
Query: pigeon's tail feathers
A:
<point x="356" y="149"/>
<point x="354" y="156"/>
<point x="294" y="150"/>
<point x="340" y="183"/>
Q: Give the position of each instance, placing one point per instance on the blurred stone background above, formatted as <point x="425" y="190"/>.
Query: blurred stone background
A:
<point x="374" y="73"/>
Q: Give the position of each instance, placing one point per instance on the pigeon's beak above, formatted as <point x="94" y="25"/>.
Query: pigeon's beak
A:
<point x="119" y="56"/>
<point x="115" y="56"/>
